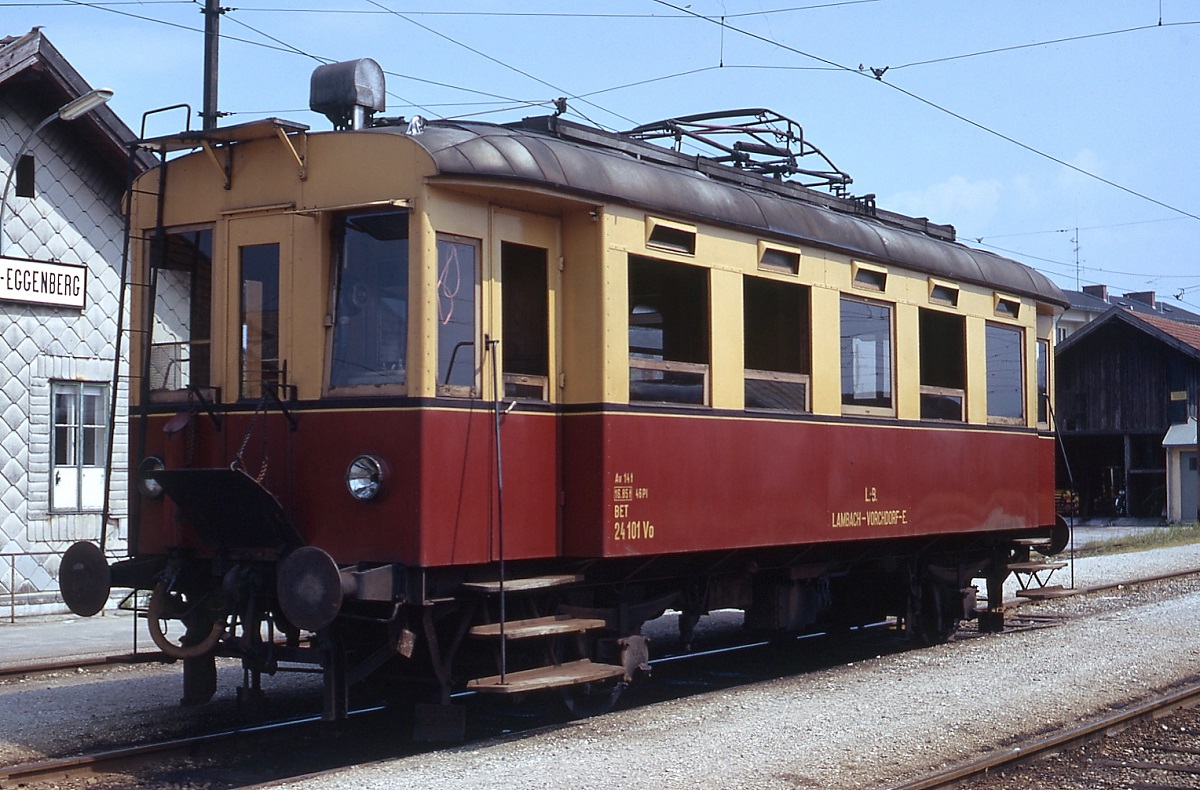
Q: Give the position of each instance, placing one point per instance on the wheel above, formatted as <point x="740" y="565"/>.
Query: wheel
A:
<point x="589" y="699"/>
<point x="932" y="618"/>
<point x="198" y="625"/>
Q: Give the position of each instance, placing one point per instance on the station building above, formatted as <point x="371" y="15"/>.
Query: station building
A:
<point x="61" y="244"/>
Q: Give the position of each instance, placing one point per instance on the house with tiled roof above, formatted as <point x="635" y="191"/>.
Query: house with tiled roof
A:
<point x="1124" y="381"/>
<point x="1095" y="300"/>
<point x="61" y="251"/>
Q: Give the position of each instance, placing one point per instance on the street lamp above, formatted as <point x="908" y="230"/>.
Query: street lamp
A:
<point x="68" y="112"/>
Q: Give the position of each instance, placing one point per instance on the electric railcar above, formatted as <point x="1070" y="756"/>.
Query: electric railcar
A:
<point x="463" y="405"/>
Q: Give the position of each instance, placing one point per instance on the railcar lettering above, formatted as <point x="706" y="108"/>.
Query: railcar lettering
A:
<point x="886" y="518"/>
<point x="622" y="493"/>
<point x="869" y="494"/>
<point x="872" y="518"/>
<point x="620" y="511"/>
<point x="633" y="530"/>
<point x="848" y="518"/>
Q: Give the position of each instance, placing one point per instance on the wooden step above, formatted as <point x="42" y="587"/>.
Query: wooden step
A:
<point x="1033" y="567"/>
<point x="1041" y="593"/>
<point x="570" y="674"/>
<point x="522" y="585"/>
<point x="1031" y="541"/>
<point x="554" y="625"/>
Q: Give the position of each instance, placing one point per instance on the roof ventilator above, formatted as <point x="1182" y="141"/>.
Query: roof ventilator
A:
<point x="348" y="93"/>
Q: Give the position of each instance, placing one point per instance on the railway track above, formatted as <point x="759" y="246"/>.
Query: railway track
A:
<point x="672" y="672"/>
<point x="34" y="668"/>
<point x="1187" y="696"/>
<point x="132" y="757"/>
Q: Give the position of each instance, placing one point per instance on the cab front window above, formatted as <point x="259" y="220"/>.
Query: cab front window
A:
<point x="370" y="331"/>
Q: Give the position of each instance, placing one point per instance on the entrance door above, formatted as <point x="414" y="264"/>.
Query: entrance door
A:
<point x="523" y="315"/>
<point x="259" y="274"/>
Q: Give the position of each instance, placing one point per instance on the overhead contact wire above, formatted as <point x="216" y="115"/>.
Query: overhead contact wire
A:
<point x="877" y="75"/>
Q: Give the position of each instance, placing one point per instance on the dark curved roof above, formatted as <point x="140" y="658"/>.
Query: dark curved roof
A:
<point x="550" y="152"/>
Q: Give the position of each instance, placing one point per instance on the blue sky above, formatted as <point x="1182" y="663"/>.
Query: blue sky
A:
<point x="1047" y="131"/>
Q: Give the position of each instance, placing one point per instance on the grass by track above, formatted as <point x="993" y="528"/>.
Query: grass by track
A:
<point x="1151" y="537"/>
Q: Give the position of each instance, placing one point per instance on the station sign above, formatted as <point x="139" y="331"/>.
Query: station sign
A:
<point x="43" y="282"/>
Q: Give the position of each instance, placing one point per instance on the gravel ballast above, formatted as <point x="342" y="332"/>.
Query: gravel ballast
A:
<point x="873" y="723"/>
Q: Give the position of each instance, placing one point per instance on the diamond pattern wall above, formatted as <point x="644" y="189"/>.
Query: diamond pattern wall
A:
<point x="75" y="218"/>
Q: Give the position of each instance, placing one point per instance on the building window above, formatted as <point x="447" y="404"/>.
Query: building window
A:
<point x="866" y="357"/>
<point x="370" y="331"/>
<point x="80" y="443"/>
<point x="943" y="343"/>
<point x="776" y="337"/>
<point x="181" y="342"/>
<point x="458" y="354"/>
<point x="668" y="332"/>
<point x="1005" y="402"/>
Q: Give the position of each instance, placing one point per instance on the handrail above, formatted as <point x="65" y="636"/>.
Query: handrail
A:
<point x="11" y="557"/>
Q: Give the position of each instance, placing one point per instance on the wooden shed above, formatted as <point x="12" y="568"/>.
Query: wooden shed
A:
<point x="1123" y="381"/>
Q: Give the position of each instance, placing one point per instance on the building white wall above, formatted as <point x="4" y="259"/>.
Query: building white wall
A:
<point x="75" y="218"/>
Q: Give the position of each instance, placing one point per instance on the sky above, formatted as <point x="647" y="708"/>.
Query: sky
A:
<point x="1062" y="134"/>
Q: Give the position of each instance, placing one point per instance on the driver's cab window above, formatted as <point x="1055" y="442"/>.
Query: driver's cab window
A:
<point x="181" y="331"/>
<point x="457" y="306"/>
<point x="370" y="318"/>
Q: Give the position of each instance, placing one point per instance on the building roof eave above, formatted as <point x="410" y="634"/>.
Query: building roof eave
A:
<point x="1147" y="324"/>
<point x="32" y="57"/>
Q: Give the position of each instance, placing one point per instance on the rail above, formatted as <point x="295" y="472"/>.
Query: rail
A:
<point x="1187" y="696"/>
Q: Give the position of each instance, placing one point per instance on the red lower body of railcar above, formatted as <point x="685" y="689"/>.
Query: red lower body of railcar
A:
<point x="610" y="483"/>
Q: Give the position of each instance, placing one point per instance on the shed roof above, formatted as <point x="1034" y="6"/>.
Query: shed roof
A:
<point x="1184" y="337"/>
<point x="1181" y="435"/>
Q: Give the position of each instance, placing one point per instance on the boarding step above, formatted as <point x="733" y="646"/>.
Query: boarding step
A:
<point x="1034" y="567"/>
<point x="561" y="676"/>
<point x="1042" y="593"/>
<point x="555" y="625"/>
<point x="523" y="585"/>
<point x="1033" y="542"/>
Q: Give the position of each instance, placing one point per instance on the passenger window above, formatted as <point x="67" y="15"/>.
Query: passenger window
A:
<point x="181" y="334"/>
<point x="866" y="343"/>
<point x="458" y="352"/>
<point x="1005" y="402"/>
<point x="943" y="343"/>
<point x="1043" y="382"/>
<point x="370" y="330"/>
<point x="259" y="319"/>
<point x="668" y="332"/>
<point x="776" y="338"/>
<point x="524" y="294"/>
